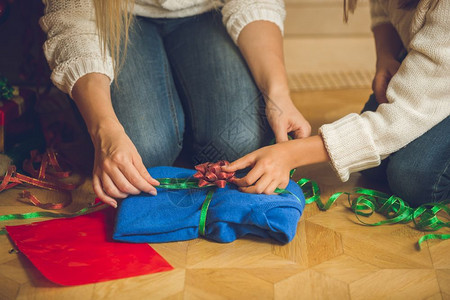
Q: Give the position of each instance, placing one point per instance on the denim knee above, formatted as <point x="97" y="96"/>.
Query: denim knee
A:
<point x="246" y="132"/>
<point x="420" y="172"/>
<point x="418" y="183"/>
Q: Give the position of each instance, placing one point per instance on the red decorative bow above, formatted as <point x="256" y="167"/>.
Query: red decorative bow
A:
<point x="211" y="173"/>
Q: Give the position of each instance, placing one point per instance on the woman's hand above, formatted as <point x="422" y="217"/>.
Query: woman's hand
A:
<point x="118" y="168"/>
<point x="284" y="118"/>
<point x="271" y="165"/>
<point x="386" y="69"/>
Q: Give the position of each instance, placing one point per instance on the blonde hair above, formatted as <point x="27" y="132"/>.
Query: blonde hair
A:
<point x="113" y="19"/>
<point x="350" y="6"/>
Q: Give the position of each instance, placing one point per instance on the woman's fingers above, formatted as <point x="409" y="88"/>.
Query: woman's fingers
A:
<point x="97" y="185"/>
<point x="145" y="174"/>
<point x="281" y="134"/>
<point x="122" y="180"/>
<point x="135" y="181"/>
<point x="111" y="188"/>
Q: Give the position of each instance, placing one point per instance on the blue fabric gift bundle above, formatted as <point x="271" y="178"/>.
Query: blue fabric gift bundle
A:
<point x="174" y="215"/>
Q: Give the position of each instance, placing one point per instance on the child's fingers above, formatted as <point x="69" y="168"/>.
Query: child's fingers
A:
<point x="250" y="178"/>
<point x="259" y="186"/>
<point x="270" y="189"/>
<point x="379" y="88"/>
<point x="241" y="163"/>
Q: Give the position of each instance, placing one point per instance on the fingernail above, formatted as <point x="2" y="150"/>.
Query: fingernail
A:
<point x="113" y="204"/>
<point x="153" y="192"/>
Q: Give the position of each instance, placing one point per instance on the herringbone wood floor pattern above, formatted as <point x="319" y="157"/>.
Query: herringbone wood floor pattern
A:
<point x="332" y="256"/>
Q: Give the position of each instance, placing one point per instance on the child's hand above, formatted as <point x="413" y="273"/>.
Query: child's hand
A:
<point x="270" y="169"/>
<point x="386" y="69"/>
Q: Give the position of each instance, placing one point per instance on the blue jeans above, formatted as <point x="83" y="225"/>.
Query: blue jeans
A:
<point x="185" y="83"/>
<point x="420" y="171"/>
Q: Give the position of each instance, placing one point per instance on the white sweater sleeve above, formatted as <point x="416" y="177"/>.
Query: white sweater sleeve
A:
<point x="418" y="95"/>
<point x="238" y="13"/>
<point x="377" y="14"/>
<point x="72" y="48"/>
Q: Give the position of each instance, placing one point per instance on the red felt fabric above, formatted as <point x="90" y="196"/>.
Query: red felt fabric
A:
<point x="79" y="250"/>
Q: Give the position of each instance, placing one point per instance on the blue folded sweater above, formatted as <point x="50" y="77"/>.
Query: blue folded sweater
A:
<point x="174" y="215"/>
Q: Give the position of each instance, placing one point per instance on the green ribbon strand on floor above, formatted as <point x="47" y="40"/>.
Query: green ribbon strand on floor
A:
<point x="367" y="202"/>
<point x="47" y="214"/>
<point x="312" y="194"/>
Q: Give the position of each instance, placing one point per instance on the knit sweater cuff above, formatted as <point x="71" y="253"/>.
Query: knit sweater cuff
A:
<point x="349" y="145"/>
<point x="244" y="18"/>
<point x="65" y="75"/>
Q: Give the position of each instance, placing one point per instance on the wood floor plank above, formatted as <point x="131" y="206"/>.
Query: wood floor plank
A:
<point x="47" y="291"/>
<point x="159" y="286"/>
<point x="225" y="284"/>
<point x="439" y="250"/>
<point x="296" y="250"/>
<point x="175" y="252"/>
<point x="443" y="277"/>
<point x="322" y="243"/>
<point x="311" y="285"/>
<point x="346" y="268"/>
<point x="396" y="284"/>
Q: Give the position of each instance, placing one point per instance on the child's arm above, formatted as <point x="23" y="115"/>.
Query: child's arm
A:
<point x="388" y="46"/>
<point x="271" y="165"/>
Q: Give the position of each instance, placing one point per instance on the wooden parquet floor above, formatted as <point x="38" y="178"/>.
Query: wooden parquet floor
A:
<point x="332" y="256"/>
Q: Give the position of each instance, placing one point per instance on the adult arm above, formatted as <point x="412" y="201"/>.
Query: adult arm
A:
<point x="256" y="27"/>
<point x="79" y="69"/>
<point x="118" y="167"/>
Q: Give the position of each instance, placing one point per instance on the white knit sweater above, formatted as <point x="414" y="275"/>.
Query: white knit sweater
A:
<point x="73" y="49"/>
<point x="418" y="94"/>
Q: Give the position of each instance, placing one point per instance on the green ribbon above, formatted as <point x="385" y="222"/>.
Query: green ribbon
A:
<point x="367" y="202"/>
<point x="203" y="212"/>
<point x="189" y="183"/>
<point x="46" y="214"/>
<point x="179" y="183"/>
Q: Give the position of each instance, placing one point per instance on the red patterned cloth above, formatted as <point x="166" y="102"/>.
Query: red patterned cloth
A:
<point x="211" y="173"/>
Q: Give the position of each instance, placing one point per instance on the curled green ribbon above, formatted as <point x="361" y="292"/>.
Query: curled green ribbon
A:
<point x="395" y="210"/>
